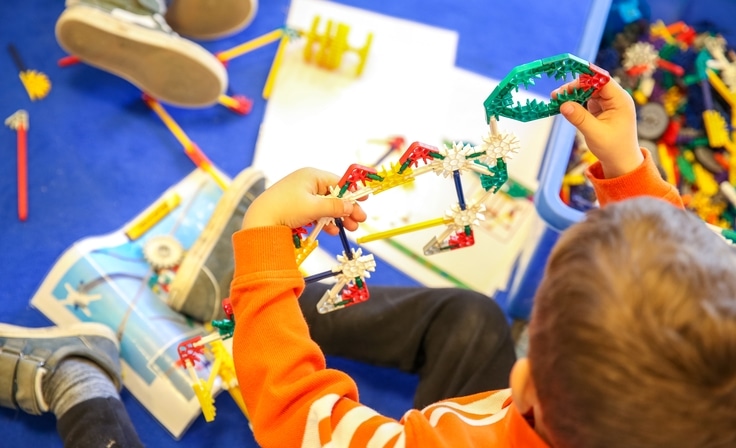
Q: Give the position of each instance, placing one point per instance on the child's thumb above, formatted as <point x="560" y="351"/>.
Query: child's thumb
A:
<point x="334" y="207"/>
<point x="578" y="116"/>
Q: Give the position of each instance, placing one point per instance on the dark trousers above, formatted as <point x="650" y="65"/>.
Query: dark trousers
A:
<point x="98" y="423"/>
<point x="457" y="341"/>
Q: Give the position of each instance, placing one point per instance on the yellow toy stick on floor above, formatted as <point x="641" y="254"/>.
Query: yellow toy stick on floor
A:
<point x="251" y="45"/>
<point x="190" y="148"/>
<point x="36" y="83"/>
<point x="275" y="66"/>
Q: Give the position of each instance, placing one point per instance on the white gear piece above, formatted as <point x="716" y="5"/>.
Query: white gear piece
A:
<point x="641" y="53"/>
<point x="471" y="216"/>
<point x="499" y="146"/>
<point x="455" y="159"/>
<point x="716" y="46"/>
<point x="358" y="266"/>
<point x="163" y="251"/>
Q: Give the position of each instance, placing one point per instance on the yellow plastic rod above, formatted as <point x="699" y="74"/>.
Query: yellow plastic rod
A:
<point x="275" y="66"/>
<point x="190" y="148"/>
<point x="168" y="121"/>
<point x="668" y="165"/>
<point x="401" y="230"/>
<point x="251" y="45"/>
<point x="721" y="87"/>
<point x="152" y="215"/>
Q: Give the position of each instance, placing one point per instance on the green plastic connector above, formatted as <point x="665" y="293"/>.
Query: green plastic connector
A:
<point x="499" y="177"/>
<point x="500" y="102"/>
<point x="686" y="169"/>
<point x="701" y="64"/>
<point x="516" y="190"/>
<point x="729" y="235"/>
<point x="668" y="51"/>
<point x="225" y="327"/>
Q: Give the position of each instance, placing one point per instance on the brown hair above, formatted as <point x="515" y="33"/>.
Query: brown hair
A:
<point x="633" y="332"/>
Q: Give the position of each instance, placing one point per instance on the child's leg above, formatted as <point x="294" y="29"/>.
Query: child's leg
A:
<point x="72" y="372"/>
<point x="457" y="341"/>
<point x="97" y="422"/>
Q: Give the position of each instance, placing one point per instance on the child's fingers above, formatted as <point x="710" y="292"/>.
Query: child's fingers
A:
<point x="579" y="117"/>
<point x="566" y="88"/>
<point x="329" y="207"/>
<point x="330" y="229"/>
<point x="358" y="214"/>
<point x="348" y="223"/>
<point x="594" y="106"/>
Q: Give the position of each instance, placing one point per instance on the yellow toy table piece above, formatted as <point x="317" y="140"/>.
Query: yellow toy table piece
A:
<point x="328" y="48"/>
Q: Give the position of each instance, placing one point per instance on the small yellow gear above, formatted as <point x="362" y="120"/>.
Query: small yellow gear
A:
<point x="163" y="252"/>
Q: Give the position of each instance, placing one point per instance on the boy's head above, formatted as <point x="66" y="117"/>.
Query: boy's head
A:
<point x="633" y="333"/>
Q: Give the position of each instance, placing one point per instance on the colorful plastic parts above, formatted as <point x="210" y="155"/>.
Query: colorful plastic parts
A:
<point x="353" y="267"/>
<point x="500" y="102"/>
<point x="197" y="349"/>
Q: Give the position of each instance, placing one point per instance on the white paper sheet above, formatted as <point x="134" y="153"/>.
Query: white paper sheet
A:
<point x="321" y="118"/>
<point x="410" y="88"/>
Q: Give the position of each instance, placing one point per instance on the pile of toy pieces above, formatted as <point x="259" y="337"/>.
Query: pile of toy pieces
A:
<point x="684" y="85"/>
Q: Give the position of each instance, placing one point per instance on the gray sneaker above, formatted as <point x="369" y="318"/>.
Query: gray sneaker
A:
<point x="27" y="354"/>
<point x="204" y="275"/>
<point x="210" y="19"/>
<point x="131" y="39"/>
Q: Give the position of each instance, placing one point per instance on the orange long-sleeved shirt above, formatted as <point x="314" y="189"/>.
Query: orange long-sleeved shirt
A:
<point x="645" y="180"/>
<point x="294" y="401"/>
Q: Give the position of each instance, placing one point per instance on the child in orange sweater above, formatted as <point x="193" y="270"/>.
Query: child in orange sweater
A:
<point x="632" y="337"/>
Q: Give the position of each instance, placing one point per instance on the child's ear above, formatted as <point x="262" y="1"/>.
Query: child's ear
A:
<point x="523" y="391"/>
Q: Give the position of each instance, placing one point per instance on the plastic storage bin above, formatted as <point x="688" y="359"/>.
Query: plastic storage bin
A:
<point x="555" y="215"/>
<point x="518" y="298"/>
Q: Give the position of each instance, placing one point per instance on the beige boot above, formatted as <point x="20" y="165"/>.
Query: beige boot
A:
<point x="210" y="19"/>
<point x="131" y="39"/>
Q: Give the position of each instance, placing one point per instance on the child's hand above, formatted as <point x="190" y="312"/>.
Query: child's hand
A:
<point x="609" y="127"/>
<point x="298" y="199"/>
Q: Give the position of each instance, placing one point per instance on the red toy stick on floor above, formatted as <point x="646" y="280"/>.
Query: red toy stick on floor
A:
<point x="19" y="122"/>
